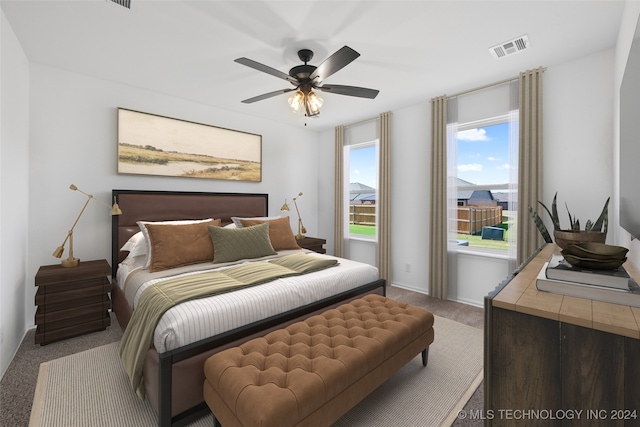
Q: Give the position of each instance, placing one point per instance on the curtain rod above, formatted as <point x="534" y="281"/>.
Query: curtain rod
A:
<point x="490" y="85"/>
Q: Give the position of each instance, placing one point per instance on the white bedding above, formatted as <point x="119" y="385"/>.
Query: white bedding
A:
<point x="201" y="318"/>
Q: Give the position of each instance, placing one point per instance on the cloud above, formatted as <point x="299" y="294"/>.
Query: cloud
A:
<point x="505" y="166"/>
<point x="471" y="167"/>
<point x="473" y="135"/>
<point x="356" y="172"/>
<point x="491" y="158"/>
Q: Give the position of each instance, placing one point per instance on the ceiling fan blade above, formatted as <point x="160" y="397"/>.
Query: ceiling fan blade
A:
<point x="266" y="69"/>
<point x="267" y="95"/>
<point x="360" y="92"/>
<point x="335" y="62"/>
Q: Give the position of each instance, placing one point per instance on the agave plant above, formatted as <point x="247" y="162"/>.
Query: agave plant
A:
<point x="601" y="224"/>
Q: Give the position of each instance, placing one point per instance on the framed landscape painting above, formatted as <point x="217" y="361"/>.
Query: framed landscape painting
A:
<point x="149" y="144"/>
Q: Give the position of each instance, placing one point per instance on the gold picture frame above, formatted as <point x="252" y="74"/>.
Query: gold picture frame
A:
<point x="149" y="144"/>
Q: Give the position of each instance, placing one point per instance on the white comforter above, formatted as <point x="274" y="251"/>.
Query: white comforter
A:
<point x="198" y="319"/>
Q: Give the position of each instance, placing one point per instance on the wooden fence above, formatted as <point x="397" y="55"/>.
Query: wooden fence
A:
<point x="362" y="214"/>
<point x="471" y="219"/>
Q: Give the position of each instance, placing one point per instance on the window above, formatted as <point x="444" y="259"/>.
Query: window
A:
<point x="486" y="191"/>
<point x="361" y="163"/>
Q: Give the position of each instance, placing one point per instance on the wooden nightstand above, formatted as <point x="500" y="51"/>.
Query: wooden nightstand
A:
<point x="313" y="244"/>
<point x="72" y="301"/>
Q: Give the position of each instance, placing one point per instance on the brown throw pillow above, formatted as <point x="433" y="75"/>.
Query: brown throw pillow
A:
<point x="177" y="245"/>
<point x="280" y="233"/>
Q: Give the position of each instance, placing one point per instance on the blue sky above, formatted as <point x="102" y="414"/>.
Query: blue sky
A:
<point x="363" y="167"/>
<point x="483" y="155"/>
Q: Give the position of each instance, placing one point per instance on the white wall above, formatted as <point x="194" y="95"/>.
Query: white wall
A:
<point x="578" y="136"/>
<point x="14" y="167"/>
<point x="578" y="128"/>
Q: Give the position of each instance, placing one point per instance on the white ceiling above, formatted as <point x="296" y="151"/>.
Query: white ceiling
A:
<point x="410" y="50"/>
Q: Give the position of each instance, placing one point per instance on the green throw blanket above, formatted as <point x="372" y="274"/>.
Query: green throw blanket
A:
<point x="160" y="297"/>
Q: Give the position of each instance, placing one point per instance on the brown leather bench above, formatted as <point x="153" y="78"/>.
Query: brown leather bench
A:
<point x="313" y="372"/>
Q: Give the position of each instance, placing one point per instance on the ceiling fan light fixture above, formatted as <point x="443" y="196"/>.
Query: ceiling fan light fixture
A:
<point x="315" y="102"/>
<point x="306" y="103"/>
<point x="296" y="101"/>
<point x="307" y="77"/>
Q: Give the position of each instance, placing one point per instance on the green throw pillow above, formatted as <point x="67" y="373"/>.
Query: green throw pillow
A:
<point x="233" y="244"/>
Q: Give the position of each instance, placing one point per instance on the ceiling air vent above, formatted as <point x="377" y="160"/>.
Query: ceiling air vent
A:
<point x="125" y="3"/>
<point x="508" y="48"/>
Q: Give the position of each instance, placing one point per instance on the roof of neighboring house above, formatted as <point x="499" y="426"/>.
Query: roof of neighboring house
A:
<point x="359" y="192"/>
<point x="464" y="194"/>
<point x="356" y="187"/>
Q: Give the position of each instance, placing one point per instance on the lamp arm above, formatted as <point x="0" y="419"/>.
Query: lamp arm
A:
<point x="91" y="196"/>
<point x="70" y="232"/>
<point x="301" y="228"/>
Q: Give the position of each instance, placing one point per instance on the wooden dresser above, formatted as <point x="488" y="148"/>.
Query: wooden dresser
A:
<point x="549" y="355"/>
<point x="72" y="301"/>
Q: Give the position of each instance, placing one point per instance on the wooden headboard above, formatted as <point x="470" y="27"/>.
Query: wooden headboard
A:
<point x="140" y="205"/>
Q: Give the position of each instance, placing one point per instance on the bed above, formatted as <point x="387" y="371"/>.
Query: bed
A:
<point x="172" y="371"/>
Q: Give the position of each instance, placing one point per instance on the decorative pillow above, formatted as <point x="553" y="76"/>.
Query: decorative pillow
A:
<point x="280" y="233"/>
<point x="232" y="244"/>
<point x="136" y="245"/>
<point x="238" y="220"/>
<point x="143" y="229"/>
<point x="175" y="245"/>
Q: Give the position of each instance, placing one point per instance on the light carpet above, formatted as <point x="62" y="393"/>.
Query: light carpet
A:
<point x="92" y="389"/>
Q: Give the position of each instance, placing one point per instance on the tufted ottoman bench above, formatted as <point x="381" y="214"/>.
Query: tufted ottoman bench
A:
<point x="313" y="372"/>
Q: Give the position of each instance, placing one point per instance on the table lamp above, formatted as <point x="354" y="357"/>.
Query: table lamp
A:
<point x="301" y="229"/>
<point x="71" y="261"/>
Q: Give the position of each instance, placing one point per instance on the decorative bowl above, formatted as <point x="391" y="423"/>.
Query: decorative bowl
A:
<point x="593" y="264"/>
<point x="564" y="238"/>
<point x="595" y="250"/>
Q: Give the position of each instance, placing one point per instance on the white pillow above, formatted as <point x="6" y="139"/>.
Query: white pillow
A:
<point x="145" y="233"/>
<point x="236" y="219"/>
<point x="231" y="225"/>
<point x="136" y="245"/>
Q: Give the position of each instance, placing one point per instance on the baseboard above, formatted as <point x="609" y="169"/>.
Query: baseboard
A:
<point x="423" y="292"/>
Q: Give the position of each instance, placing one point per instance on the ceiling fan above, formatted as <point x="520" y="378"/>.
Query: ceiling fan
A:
<point x="305" y="78"/>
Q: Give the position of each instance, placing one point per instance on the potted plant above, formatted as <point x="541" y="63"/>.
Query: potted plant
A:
<point x="593" y="231"/>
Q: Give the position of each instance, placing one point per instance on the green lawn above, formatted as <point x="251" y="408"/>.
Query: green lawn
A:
<point x="477" y="241"/>
<point x="363" y="230"/>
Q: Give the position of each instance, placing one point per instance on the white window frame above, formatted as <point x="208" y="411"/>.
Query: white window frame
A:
<point x="501" y="119"/>
<point x="347" y="165"/>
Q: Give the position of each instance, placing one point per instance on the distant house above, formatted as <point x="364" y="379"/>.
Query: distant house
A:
<point x="503" y="200"/>
<point x="474" y="197"/>
<point x="361" y="194"/>
<point x="482" y="197"/>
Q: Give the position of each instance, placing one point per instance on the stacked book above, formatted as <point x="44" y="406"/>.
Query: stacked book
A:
<point x="614" y="286"/>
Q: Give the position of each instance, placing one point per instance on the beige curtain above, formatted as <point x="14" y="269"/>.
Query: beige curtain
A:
<point x="338" y="229"/>
<point x="383" y="253"/>
<point x="438" y="277"/>
<point x="384" y="199"/>
<point x="529" y="161"/>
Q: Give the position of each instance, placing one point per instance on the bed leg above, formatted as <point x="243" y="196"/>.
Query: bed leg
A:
<point x="425" y="356"/>
<point x="164" y="392"/>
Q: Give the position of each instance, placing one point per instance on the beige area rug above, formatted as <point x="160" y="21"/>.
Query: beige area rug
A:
<point x="92" y="389"/>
